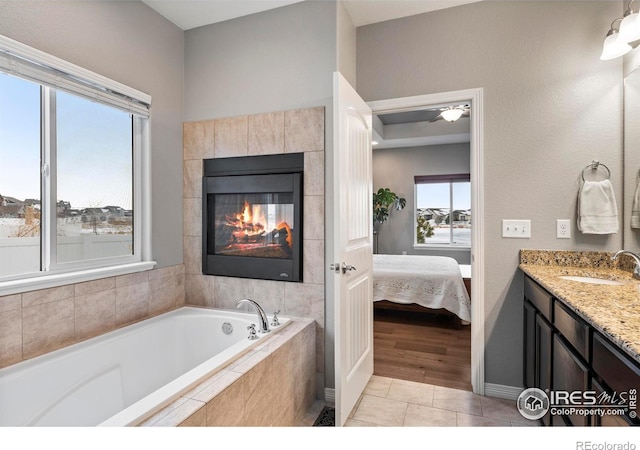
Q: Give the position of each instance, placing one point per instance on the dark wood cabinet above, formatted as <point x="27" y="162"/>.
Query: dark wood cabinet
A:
<point x="562" y="352"/>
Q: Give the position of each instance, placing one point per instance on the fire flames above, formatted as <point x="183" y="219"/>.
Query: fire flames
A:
<point x="251" y="224"/>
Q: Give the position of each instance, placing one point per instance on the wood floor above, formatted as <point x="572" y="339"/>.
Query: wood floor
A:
<point x="421" y="347"/>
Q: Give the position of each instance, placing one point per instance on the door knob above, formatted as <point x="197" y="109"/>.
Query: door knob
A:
<point x="347" y="268"/>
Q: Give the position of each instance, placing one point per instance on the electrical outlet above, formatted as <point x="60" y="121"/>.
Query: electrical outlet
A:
<point x="563" y="229"/>
<point x="520" y="229"/>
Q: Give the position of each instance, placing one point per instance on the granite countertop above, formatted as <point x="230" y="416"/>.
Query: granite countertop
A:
<point x="611" y="309"/>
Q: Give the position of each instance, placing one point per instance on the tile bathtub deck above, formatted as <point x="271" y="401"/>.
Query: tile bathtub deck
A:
<point x="399" y="403"/>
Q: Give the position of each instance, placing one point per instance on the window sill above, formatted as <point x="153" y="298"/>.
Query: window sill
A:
<point x="453" y="248"/>
<point x="80" y="276"/>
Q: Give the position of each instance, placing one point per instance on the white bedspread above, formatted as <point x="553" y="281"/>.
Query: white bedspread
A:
<point x="430" y="281"/>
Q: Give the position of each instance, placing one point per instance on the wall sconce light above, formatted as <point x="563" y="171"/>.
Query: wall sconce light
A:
<point x="618" y="39"/>
<point x="451" y="114"/>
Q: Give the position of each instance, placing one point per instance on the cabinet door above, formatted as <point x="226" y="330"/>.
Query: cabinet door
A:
<point x="608" y="420"/>
<point x="569" y="374"/>
<point x="544" y="334"/>
<point x="529" y="345"/>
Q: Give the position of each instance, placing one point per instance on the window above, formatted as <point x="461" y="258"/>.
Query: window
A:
<point x="72" y="146"/>
<point x="443" y="210"/>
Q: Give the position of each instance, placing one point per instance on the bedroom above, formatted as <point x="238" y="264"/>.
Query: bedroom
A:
<point x="420" y="299"/>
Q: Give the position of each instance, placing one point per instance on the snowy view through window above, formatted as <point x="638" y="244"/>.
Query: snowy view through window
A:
<point x="92" y="168"/>
<point x="443" y="214"/>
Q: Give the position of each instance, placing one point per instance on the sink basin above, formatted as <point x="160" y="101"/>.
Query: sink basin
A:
<point x="592" y="280"/>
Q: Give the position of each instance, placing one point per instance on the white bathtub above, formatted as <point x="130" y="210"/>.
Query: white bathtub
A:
<point x="122" y="377"/>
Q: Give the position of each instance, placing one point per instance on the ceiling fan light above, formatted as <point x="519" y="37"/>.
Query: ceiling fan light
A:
<point x="630" y="27"/>
<point x="451" y="115"/>
<point x="613" y="47"/>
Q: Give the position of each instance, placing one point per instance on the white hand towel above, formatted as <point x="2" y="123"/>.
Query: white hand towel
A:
<point x="597" y="208"/>
<point x="635" y="210"/>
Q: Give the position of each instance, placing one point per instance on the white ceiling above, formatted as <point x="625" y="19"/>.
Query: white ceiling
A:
<point x="188" y="14"/>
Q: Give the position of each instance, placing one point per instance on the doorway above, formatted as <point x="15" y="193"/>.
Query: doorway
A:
<point x="471" y="98"/>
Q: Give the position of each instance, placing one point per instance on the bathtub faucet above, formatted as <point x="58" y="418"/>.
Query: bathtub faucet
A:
<point x="262" y="316"/>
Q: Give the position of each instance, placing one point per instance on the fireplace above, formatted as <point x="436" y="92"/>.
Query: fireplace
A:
<point x="252" y="217"/>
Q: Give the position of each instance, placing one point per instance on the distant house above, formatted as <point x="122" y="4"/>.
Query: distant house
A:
<point x="11" y="208"/>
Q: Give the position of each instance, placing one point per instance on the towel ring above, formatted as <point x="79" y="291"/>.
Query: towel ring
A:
<point x="594" y="166"/>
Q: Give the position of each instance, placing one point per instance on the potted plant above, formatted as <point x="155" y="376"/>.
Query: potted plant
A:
<point x="384" y="201"/>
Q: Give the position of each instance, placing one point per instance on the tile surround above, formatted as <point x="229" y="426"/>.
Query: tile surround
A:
<point x="271" y="385"/>
<point x="37" y="322"/>
<point x="300" y="130"/>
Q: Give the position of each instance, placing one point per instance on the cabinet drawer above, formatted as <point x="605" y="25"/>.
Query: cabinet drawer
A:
<point x="573" y="328"/>
<point x="540" y="298"/>
<point x="616" y="369"/>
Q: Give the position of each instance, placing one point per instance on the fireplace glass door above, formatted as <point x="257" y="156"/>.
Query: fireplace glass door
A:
<point x="252" y="222"/>
<point x="254" y="225"/>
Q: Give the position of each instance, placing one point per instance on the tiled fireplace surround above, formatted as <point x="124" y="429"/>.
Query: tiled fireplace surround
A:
<point x="38" y="322"/>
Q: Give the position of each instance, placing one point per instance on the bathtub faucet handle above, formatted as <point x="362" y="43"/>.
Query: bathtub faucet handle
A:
<point x="252" y="332"/>
<point x="275" y="322"/>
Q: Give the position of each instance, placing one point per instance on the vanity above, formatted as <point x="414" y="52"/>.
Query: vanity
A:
<point x="582" y="333"/>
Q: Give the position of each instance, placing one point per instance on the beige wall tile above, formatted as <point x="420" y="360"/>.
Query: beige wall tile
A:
<point x="304" y="130"/>
<point x="269" y="294"/>
<point x="167" y="293"/>
<point x="10" y="336"/>
<point x="192" y="217"/>
<point x="197" y="419"/>
<point x="193" y="255"/>
<point x="314" y="173"/>
<point x="91" y="287"/>
<point x="95" y="314"/>
<point x="228" y="408"/>
<point x="199" y="139"/>
<point x="213" y="386"/>
<point x="177" y="412"/>
<point x="168" y="271"/>
<point x="199" y="290"/>
<point x="192" y="182"/>
<point x="304" y="300"/>
<point x="10" y="302"/>
<point x="47" y="295"/>
<point x="313" y="217"/>
<point x="134" y="278"/>
<point x="231" y="137"/>
<point x="313" y="261"/>
<point x="132" y="303"/>
<point x="266" y="133"/>
<point x="47" y="327"/>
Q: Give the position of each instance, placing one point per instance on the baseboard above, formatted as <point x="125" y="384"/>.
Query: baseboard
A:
<point x="329" y="395"/>
<point x="502" y="391"/>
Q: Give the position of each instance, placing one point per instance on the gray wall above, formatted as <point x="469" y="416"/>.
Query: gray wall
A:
<point x="277" y="60"/>
<point x="550" y="107"/>
<point x="395" y="168"/>
<point x="132" y="44"/>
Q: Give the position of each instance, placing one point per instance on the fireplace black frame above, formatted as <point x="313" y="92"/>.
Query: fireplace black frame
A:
<point x="282" y="173"/>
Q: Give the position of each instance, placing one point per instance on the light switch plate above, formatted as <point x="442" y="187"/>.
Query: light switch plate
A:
<point x="519" y="229"/>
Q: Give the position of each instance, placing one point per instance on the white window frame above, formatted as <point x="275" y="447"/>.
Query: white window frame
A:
<point x="439" y="245"/>
<point x="32" y="64"/>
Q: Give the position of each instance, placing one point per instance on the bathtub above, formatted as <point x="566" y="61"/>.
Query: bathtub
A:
<point x="122" y="377"/>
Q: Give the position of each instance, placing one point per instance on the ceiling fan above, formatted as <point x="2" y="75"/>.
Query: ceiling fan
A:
<point x="452" y="113"/>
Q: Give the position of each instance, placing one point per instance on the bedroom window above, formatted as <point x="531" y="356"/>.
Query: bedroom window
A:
<point x="443" y="211"/>
<point x="73" y="146"/>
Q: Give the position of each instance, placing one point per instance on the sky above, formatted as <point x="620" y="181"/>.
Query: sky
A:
<point x="436" y="195"/>
<point x="93" y="141"/>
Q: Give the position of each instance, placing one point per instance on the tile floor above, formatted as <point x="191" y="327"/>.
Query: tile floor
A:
<point x="399" y="403"/>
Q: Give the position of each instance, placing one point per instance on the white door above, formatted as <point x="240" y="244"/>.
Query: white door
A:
<point x="352" y="246"/>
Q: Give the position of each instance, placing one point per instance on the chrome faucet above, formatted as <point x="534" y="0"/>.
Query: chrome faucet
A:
<point x="636" y="269"/>
<point x="262" y="316"/>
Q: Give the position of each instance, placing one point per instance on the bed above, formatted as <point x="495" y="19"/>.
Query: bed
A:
<point x="433" y="282"/>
